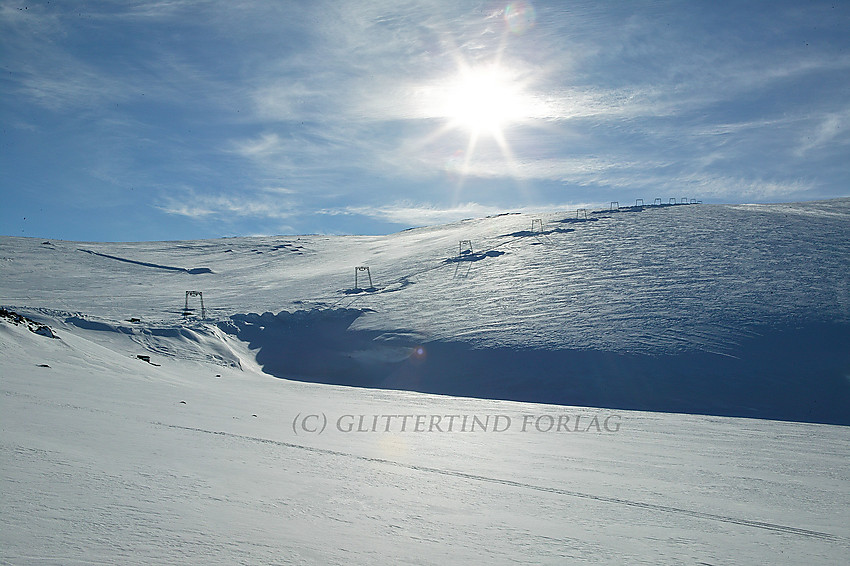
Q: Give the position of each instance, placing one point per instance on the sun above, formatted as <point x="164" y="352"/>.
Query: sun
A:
<point x="484" y="100"/>
<point x="485" y="104"/>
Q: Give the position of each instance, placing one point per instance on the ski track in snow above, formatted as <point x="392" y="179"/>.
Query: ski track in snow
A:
<point x="569" y="493"/>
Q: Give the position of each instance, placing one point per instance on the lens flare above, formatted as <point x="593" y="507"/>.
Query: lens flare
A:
<point x="520" y="17"/>
<point x="418" y="353"/>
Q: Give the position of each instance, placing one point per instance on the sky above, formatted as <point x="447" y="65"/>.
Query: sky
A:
<point x="184" y="119"/>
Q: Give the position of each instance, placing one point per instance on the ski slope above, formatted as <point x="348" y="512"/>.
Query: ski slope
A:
<point x="566" y="395"/>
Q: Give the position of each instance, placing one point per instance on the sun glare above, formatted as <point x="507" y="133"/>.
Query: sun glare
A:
<point x="481" y="103"/>
<point x="484" y="101"/>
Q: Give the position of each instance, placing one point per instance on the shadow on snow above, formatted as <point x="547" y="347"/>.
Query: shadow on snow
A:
<point x="797" y="374"/>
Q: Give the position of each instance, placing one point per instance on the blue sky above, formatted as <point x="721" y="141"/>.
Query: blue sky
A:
<point x="178" y="119"/>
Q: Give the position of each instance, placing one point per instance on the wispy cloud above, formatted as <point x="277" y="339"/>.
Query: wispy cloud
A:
<point x="190" y="203"/>
<point x="833" y="128"/>
<point x="267" y="144"/>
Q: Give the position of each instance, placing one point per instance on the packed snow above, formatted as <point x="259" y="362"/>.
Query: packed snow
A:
<point x="659" y="384"/>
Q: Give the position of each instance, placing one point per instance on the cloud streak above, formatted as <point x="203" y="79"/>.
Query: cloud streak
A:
<point x="269" y="204"/>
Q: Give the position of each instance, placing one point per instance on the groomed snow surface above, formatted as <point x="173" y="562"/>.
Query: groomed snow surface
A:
<point x="654" y="385"/>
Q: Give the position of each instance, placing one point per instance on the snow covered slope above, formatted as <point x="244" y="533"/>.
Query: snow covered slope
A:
<point x="132" y="434"/>
<point x="724" y="310"/>
<point x="107" y="458"/>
